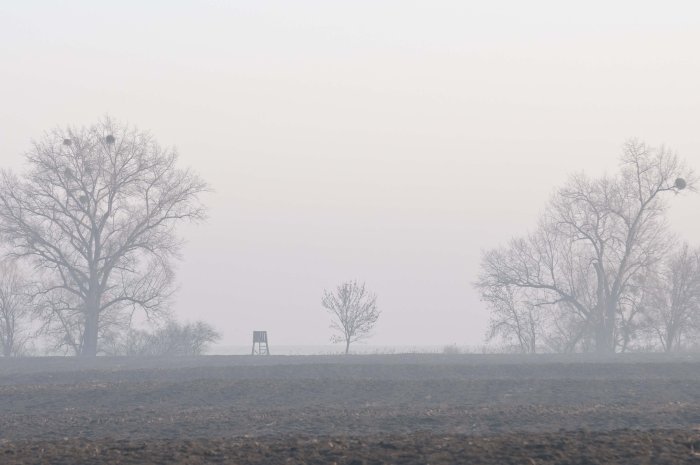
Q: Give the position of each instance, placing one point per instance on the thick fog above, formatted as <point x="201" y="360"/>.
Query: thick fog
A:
<point x="388" y="142"/>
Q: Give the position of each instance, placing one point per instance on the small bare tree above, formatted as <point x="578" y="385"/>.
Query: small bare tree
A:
<point x="517" y="322"/>
<point x="14" y="309"/>
<point x="173" y="340"/>
<point x="353" y="311"/>
<point x="673" y="309"/>
<point x="96" y="212"/>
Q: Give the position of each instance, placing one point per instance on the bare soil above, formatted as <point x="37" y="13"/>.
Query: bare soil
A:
<point x="368" y="409"/>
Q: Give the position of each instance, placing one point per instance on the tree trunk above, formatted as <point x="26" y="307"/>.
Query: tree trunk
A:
<point x="8" y="340"/>
<point x="605" y="331"/>
<point x="347" y="346"/>
<point x="672" y="340"/>
<point x="89" y="348"/>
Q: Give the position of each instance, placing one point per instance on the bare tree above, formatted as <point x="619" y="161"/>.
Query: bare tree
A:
<point x="353" y="311"/>
<point x="517" y="322"/>
<point x="96" y="212"/>
<point x="594" y="238"/>
<point x="15" y="309"/>
<point x="673" y="308"/>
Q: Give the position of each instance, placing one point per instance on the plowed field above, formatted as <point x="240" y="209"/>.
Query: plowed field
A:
<point x="435" y="409"/>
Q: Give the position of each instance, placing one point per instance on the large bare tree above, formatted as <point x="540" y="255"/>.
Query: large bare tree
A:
<point x="353" y="311"/>
<point x="596" y="237"/>
<point x="15" y="309"/>
<point x="95" y="212"/>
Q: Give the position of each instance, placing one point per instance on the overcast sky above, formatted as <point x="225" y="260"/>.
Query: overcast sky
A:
<point x="384" y="141"/>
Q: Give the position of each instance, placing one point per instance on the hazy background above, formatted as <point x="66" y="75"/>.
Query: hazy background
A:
<point x="387" y="141"/>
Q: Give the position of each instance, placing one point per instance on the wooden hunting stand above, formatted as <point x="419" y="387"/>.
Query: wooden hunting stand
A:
<point x="260" y="338"/>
